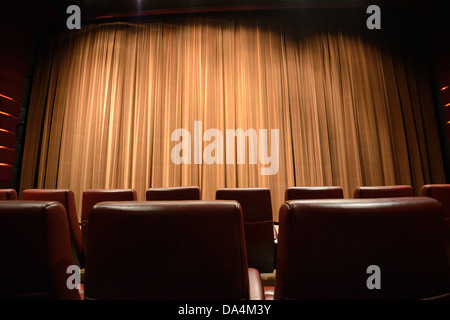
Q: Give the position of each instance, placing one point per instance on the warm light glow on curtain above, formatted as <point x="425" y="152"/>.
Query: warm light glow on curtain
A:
<point x="107" y="98"/>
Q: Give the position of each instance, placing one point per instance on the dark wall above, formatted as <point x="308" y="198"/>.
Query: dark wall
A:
<point x="21" y="23"/>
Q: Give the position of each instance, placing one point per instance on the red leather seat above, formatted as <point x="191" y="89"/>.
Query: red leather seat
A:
<point x="440" y="192"/>
<point x="93" y="196"/>
<point x="173" y="193"/>
<point x="168" y="250"/>
<point x="8" y="194"/>
<point x="259" y="228"/>
<point x="67" y="199"/>
<point x="35" y="250"/>
<point x="326" y="246"/>
<point x="308" y="193"/>
<point x="384" y="191"/>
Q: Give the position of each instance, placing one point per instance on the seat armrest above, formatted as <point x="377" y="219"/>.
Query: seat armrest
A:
<point x="275" y="232"/>
<point x="269" y="292"/>
<point x="255" y="284"/>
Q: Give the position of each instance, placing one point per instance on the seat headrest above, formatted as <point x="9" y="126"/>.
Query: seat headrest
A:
<point x="173" y="193"/>
<point x="60" y="195"/>
<point x="256" y="202"/>
<point x="166" y="250"/>
<point x="93" y="196"/>
<point x="440" y="192"/>
<point x="384" y="191"/>
<point x="304" y="193"/>
<point x="8" y="194"/>
<point x="326" y="246"/>
<point x="35" y="250"/>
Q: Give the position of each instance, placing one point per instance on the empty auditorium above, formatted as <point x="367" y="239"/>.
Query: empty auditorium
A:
<point x="227" y="158"/>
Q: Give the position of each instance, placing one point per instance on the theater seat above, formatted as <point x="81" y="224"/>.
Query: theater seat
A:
<point x="8" y="194"/>
<point x="384" y="192"/>
<point x="308" y="193"/>
<point x="168" y="250"/>
<point x="67" y="199"/>
<point x="326" y="247"/>
<point x="173" y="193"/>
<point x="259" y="228"/>
<point x="94" y="196"/>
<point x="35" y="251"/>
<point x="440" y="192"/>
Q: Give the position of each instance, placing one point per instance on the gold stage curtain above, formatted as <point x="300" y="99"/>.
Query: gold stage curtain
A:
<point x="351" y="106"/>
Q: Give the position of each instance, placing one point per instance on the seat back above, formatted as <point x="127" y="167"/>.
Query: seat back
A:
<point x="306" y="193"/>
<point x="35" y="248"/>
<point x="166" y="250"/>
<point x="67" y="199"/>
<point x="384" y="191"/>
<point x="440" y="192"/>
<point x="259" y="233"/>
<point x="326" y="248"/>
<point x="94" y="196"/>
<point x="173" y="193"/>
<point x="8" y="194"/>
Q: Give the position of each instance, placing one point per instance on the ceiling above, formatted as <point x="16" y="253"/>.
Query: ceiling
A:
<point x="48" y="11"/>
<point x="98" y="8"/>
<point x="92" y="8"/>
<point x="37" y="15"/>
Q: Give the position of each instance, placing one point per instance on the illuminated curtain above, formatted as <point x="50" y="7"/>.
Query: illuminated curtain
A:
<point x="349" y="108"/>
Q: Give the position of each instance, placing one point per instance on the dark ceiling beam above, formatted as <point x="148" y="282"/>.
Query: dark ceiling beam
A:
<point x="235" y="8"/>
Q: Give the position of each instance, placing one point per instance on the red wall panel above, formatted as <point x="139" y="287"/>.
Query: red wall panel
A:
<point x="8" y="122"/>
<point x="9" y="106"/>
<point x="6" y="155"/>
<point x="6" y="172"/>
<point x="7" y="139"/>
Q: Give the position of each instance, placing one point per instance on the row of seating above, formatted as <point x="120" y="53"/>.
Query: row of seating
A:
<point x="291" y="193"/>
<point x="324" y="251"/>
<point x="260" y="229"/>
<point x="248" y="196"/>
<point x="196" y="250"/>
